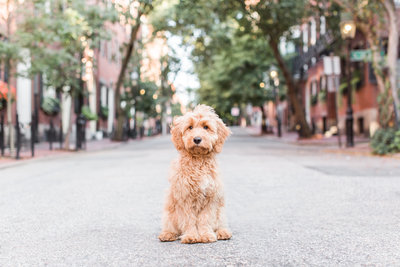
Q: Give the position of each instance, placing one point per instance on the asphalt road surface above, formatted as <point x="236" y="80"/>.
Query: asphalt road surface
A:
<point x="286" y="205"/>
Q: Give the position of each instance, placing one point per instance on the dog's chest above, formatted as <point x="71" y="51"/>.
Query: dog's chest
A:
<point x="207" y="185"/>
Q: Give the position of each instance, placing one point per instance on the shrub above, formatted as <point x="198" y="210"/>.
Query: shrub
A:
<point x="396" y="142"/>
<point x="51" y="106"/>
<point x="88" y="114"/>
<point x="322" y="95"/>
<point x="104" y="112"/>
<point x="385" y="141"/>
<point x="314" y="99"/>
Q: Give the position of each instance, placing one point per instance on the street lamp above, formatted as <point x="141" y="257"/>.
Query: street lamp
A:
<point x="348" y="31"/>
<point x="274" y="76"/>
<point x="123" y="104"/>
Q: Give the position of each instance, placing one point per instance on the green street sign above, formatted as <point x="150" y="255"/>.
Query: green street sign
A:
<point x="362" y="55"/>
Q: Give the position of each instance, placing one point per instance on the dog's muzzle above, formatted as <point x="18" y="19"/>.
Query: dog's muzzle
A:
<point x="197" y="140"/>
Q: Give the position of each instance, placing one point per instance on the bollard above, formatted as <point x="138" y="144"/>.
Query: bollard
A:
<point x="80" y="132"/>
<point x="78" y="136"/>
<point x="2" y="134"/>
<point x="33" y="135"/>
<point x="278" y="119"/>
<point x="18" y="131"/>
<point x="84" y="132"/>
<point x="61" y="135"/>
<point x="51" y="134"/>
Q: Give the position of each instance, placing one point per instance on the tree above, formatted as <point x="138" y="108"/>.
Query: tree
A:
<point x="170" y="66"/>
<point x="133" y="19"/>
<point x="275" y="19"/>
<point x="196" y="22"/>
<point x="60" y="38"/>
<point x="143" y="93"/>
<point x="239" y="75"/>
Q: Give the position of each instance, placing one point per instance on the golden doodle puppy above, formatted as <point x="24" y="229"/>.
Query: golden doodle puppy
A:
<point x="194" y="208"/>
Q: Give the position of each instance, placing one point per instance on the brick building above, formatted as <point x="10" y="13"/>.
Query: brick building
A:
<point x="317" y="89"/>
<point x="100" y="76"/>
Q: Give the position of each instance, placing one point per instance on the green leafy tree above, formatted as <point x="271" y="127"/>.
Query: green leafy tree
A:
<point x="239" y="75"/>
<point x="274" y="20"/>
<point x="209" y="26"/>
<point x="58" y="36"/>
<point x="170" y="66"/>
<point x="133" y="20"/>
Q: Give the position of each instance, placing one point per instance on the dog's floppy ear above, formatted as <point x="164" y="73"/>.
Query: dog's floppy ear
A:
<point x="176" y="133"/>
<point x="223" y="133"/>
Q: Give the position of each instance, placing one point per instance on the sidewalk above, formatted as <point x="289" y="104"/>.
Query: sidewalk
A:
<point x="328" y="144"/>
<point x="42" y="150"/>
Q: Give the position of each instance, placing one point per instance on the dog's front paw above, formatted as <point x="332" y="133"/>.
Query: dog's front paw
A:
<point x="208" y="237"/>
<point x="223" y="234"/>
<point x="167" y="237"/>
<point x="189" y="239"/>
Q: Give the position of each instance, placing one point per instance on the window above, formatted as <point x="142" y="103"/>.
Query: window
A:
<point x="305" y="38"/>
<point x="322" y="27"/>
<point x="103" y="96"/>
<point x="109" y="50"/>
<point x="49" y="91"/>
<point x="372" y="77"/>
<point x="314" y="92"/>
<point x="102" y="48"/>
<point x="117" y="54"/>
<point x="6" y="72"/>
<point x="313" y="32"/>
<point x="322" y="83"/>
<point x="360" y="125"/>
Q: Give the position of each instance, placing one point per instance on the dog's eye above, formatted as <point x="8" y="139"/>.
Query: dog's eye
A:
<point x="190" y="127"/>
<point x="205" y="127"/>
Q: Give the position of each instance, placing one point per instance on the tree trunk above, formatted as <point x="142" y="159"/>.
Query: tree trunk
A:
<point x="300" y="118"/>
<point x="264" y="129"/>
<point x="393" y="53"/>
<point x="69" y="126"/>
<point x="376" y="59"/>
<point x="385" y="105"/>
<point x="118" y="133"/>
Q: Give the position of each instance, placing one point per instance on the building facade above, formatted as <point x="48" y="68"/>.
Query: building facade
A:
<point x="324" y="96"/>
<point x="101" y="68"/>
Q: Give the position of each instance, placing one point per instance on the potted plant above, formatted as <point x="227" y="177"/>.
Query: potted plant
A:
<point x="104" y="112"/>
<point x="88" y="114"/>
<point x="314" y="99"/>
<point x="50" y="106"/>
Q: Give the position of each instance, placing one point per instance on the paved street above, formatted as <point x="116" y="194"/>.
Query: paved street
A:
<point x="286" y="205"/>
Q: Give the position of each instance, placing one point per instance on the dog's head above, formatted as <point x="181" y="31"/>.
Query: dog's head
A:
<point x="199" y="132"/>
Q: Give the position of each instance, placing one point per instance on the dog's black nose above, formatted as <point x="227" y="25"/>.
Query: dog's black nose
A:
<point x="197" y="140"/>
